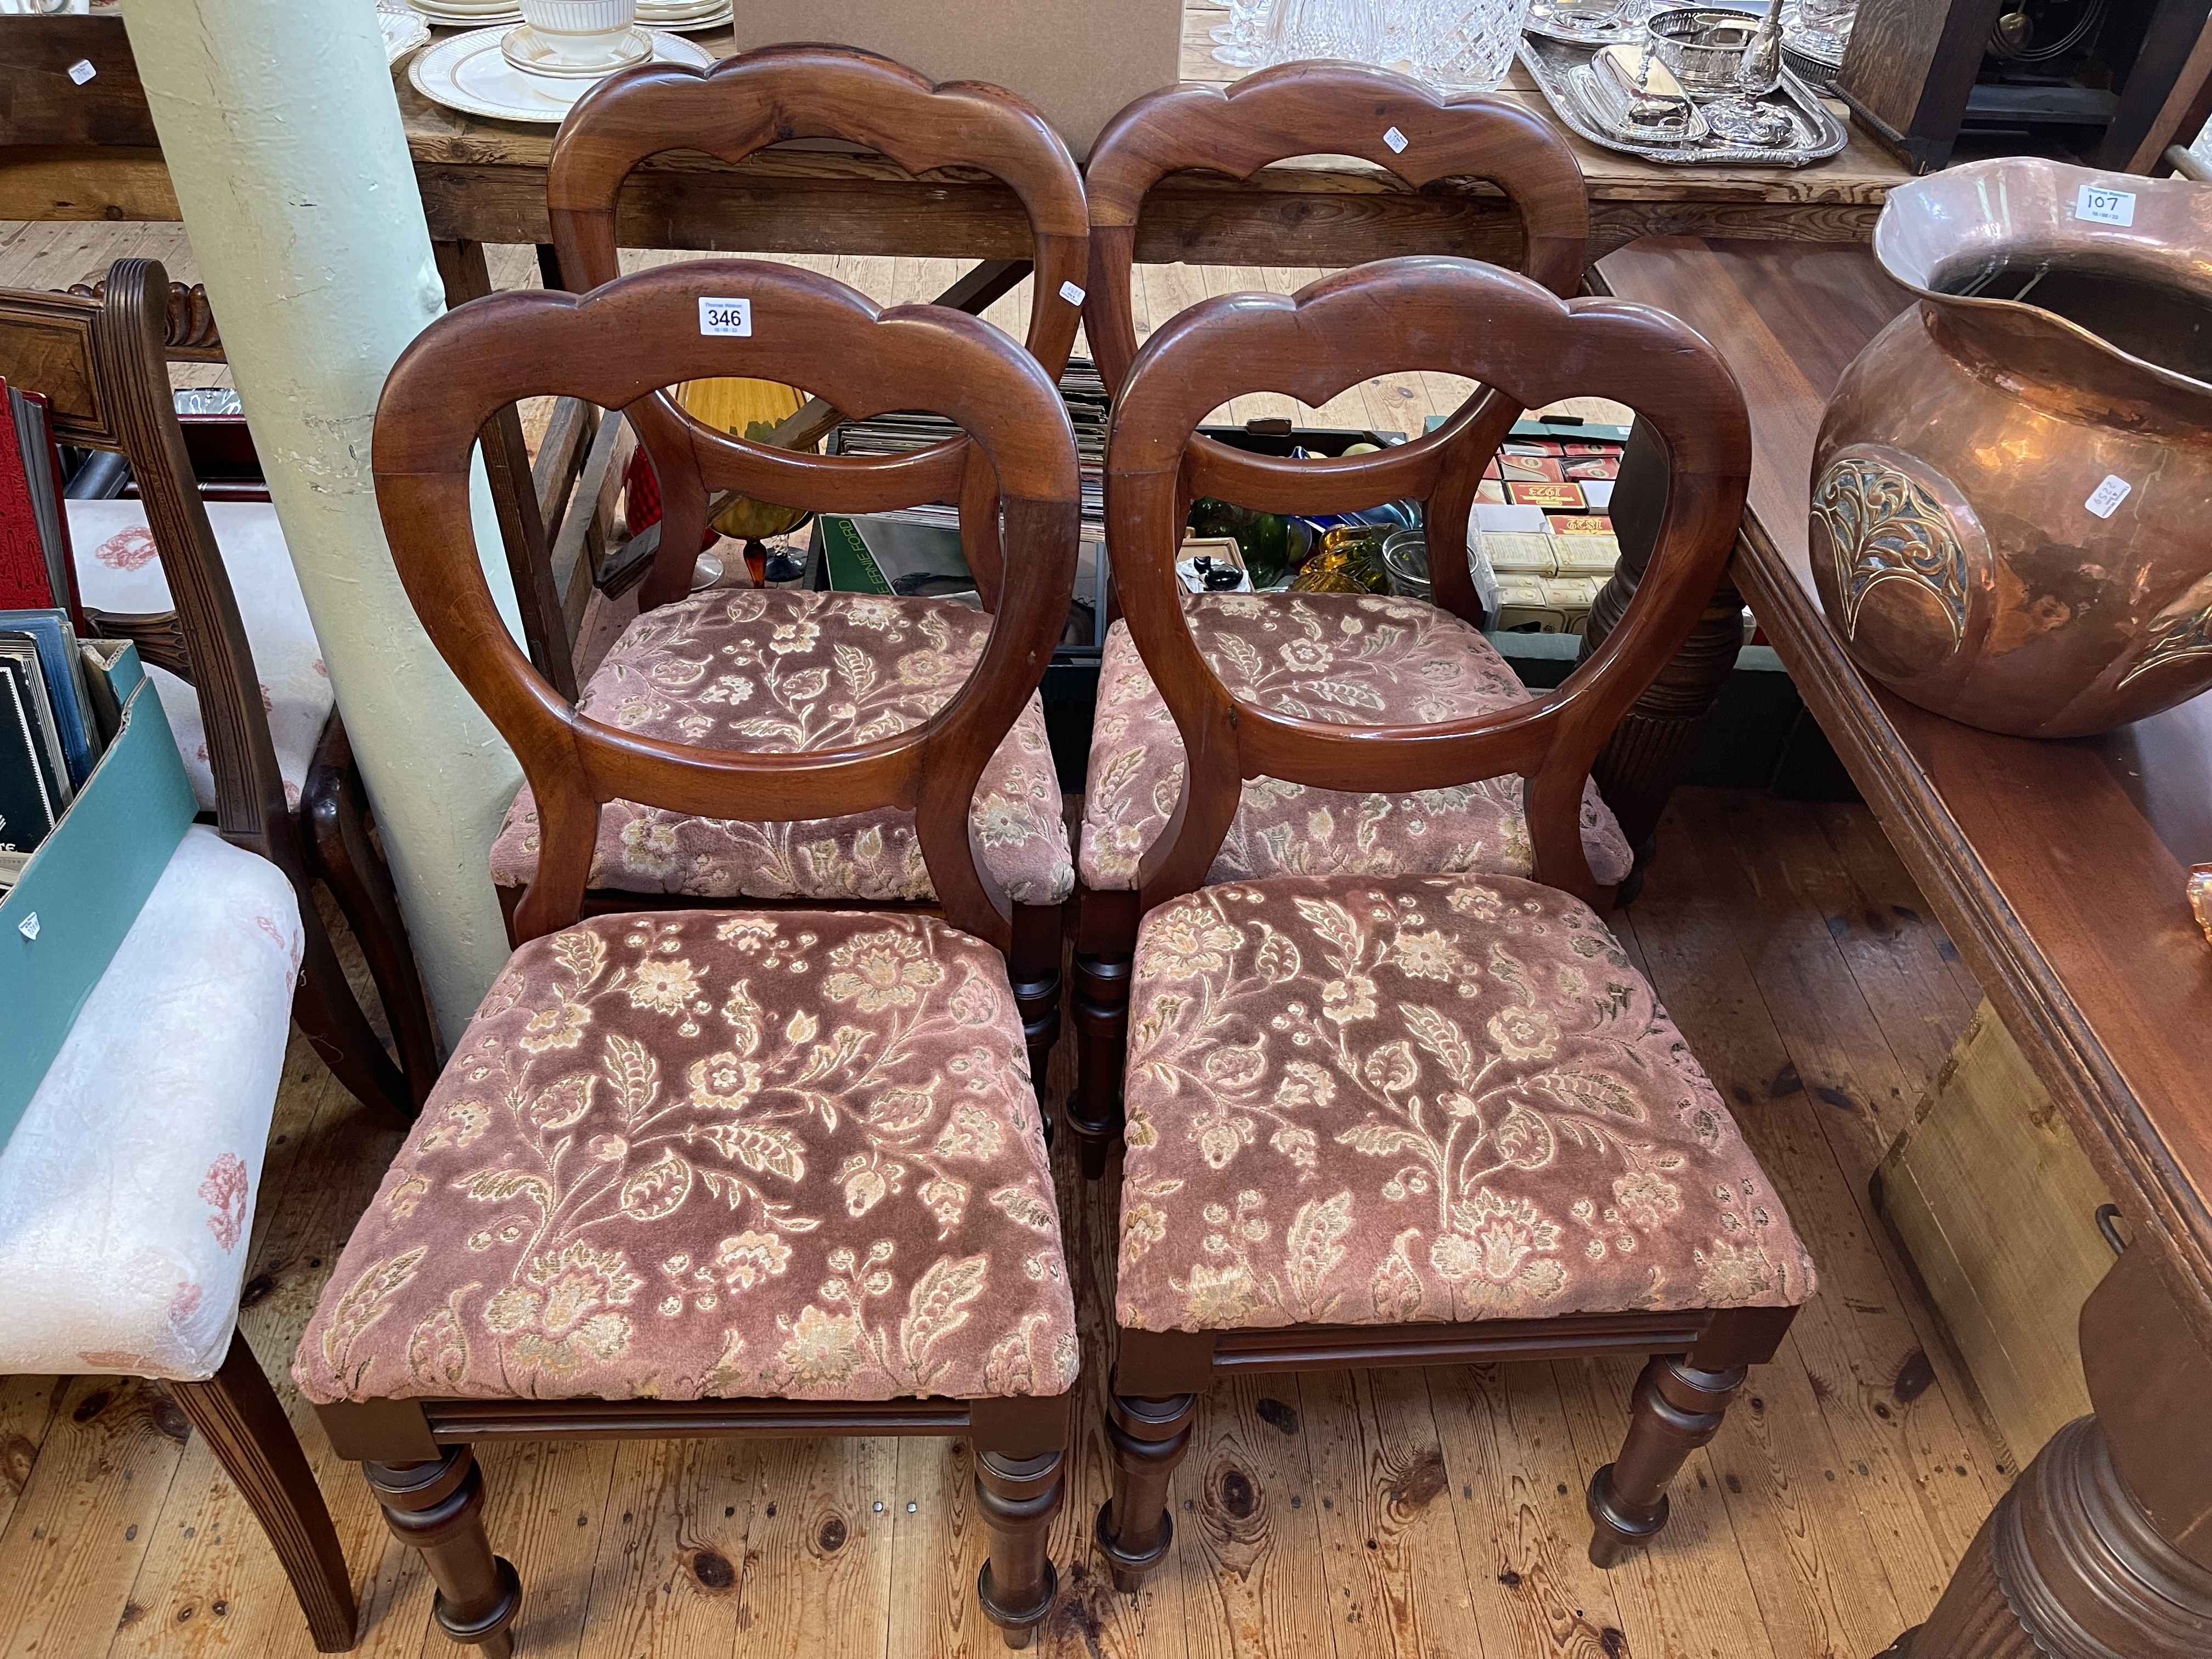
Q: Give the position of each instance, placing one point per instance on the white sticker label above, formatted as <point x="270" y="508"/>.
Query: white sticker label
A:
<point x="1395" y="139"/>
<point x="2105" y="207"/>
<point x="81" y="70"/>
<point x="1072" y="295"/>
<point x="28" y="928"/>
<point x="731" y="317"/>
<point x="2105" y="500"/>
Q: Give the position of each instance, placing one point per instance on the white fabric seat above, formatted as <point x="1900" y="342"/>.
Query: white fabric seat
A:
<point x="117" y="570"/>
<point x="127" y="1190"/>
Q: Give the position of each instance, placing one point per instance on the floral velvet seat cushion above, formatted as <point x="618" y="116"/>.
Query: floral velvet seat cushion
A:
<point x="119" y="571"/>
<point x="127" y="1189"/>
<point x="776" y="671"/>
<point x="705" y="1153"/>
<point x="1445" y="1098"/>
<point x="1356" y="660"/>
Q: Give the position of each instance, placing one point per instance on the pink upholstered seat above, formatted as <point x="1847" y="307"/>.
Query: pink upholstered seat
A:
<point x="1354" y="659"/>
<point x="700" y="1153"/>
<point x="1357" y="1101"/>
<point x="764" y="671"/>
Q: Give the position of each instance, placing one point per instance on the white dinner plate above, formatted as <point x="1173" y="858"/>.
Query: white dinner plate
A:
<point x="467" y="72"/>
<point x="465" y="17"/>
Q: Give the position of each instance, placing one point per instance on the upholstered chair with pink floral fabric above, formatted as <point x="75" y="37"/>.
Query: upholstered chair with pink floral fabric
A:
<point x="1351" y="659"/>
<point x="1382" y="1117"/>
<point x="778" y="672"/>
<point x="127" y="1189"/>
<point x="709" y="1172"/>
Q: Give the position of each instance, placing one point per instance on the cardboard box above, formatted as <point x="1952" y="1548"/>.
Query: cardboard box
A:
<point x="1550" y="497"/>
<point x="61" y="923"/>
<point x="1079" y="61"/>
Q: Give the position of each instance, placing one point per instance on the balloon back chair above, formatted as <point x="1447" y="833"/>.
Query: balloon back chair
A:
<point x="1435" y="1118"/>
<point x="1432" y="663"/>
<point x="714" y="1172"/>
<point x="655" y="681"/>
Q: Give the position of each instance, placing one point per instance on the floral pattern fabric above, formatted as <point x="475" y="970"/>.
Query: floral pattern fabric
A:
<point x="1444" y="1098"/>
<point x="1356" y="660"/>
<point x="119" y="570"/>
<point x="705" y="1153"/>
<point x="763" y="672"/>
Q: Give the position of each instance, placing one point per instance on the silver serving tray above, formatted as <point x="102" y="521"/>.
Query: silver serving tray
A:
<point x="1563" y="71"/>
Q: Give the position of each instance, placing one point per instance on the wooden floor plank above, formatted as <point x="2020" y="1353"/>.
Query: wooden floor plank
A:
<point x="1907" y="1442"/>
<point x="1509" y="1461"/>
<point x="1397" y="1578"/>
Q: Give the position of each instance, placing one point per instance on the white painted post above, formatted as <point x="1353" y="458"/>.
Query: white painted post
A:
<point x="281" y="132"/>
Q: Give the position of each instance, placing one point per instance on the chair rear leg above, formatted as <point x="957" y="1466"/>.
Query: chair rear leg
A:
<point x="1102" y="1033"/>
<point x="437" y="1508"/>
<point x="1033" y="966"/>
<point x="339" y="1032"/>
<point x="344" y="856"/>
<point x="1678" y="1408"/>
<point x="239" y="1414"/>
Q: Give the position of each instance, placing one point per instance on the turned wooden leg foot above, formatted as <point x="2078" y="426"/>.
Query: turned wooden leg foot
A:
<point x="1018" y="1497"/>
<point x="1102" y="1030"/>
<point x="2070" y="1566"/>
<point x="238" y="1414"/>
<point x="437" y="1508"/>
<point x="1149" y="1437"/>
<point x="1678" y="1408"/>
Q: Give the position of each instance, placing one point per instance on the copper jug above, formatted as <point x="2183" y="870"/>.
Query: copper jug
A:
<point x="2012" y="488"/>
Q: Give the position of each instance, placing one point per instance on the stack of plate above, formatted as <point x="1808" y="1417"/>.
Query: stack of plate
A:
<point x="684" y="16"/>
<point x="467" y="13"/>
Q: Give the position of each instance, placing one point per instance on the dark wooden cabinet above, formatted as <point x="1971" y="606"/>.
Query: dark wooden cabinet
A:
<point x="1924" y="73"/>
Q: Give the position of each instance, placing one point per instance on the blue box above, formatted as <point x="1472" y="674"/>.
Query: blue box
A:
<point x="61" y="923"/>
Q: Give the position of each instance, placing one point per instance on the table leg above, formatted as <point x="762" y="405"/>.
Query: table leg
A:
<point x="2103" y="1547"/>
<point x="507" y="462"/>
<point x="1651" y="750"/>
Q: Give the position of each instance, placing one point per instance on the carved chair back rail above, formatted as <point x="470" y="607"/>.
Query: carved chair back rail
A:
<point x="745" y="103"/>
<point x="1394" y="123"/>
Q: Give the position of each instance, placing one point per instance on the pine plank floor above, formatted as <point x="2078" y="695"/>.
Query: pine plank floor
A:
<point x="1402" y="1515"/>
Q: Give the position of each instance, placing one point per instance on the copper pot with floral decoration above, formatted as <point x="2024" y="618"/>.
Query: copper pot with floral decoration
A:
<point x="2012" y="490"/>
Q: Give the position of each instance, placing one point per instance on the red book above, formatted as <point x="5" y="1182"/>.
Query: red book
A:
<point x="25" y="579"/>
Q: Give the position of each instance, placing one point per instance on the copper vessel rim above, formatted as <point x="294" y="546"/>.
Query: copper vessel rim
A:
<point x="1884" y="249"/>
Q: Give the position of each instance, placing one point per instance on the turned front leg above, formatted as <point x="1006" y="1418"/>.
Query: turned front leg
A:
<point x="1018" y="1497"/>
<point x="1678" y="1408"/>
<point x="437" y="1509"/>
<point x="1149" y="1437"/>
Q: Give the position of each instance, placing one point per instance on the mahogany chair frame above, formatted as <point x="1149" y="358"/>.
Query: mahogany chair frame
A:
<point x="101" y="353"/>
<point x="740" y="106"/>
<point x="616" y="347"/>
<point x="100" y="362"/>
<point x="1504" y="330"/>
<point x="1422" y="136"/>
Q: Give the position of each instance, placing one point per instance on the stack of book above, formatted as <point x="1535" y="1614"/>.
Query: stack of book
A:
<point x="50" y="726"/>
<point x="1081" y="389"/>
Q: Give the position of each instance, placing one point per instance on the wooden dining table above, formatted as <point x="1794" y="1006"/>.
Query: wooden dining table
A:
<point x="484" y="181"/>
<point x="2059" y="869"/>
